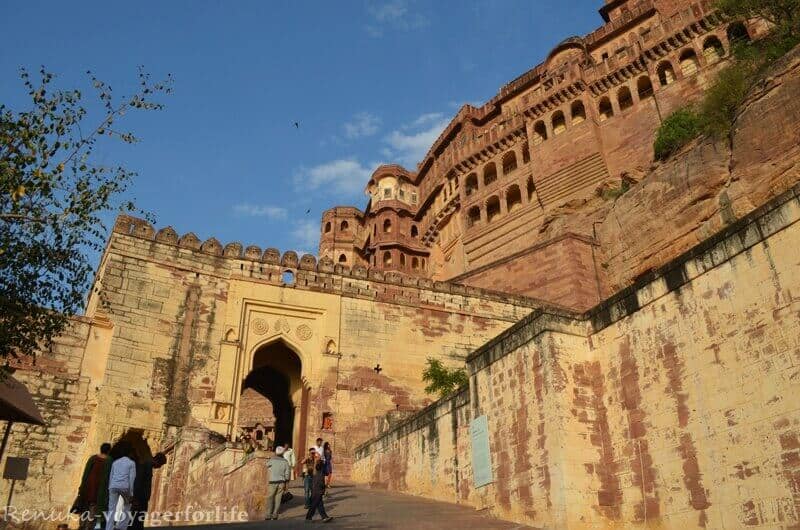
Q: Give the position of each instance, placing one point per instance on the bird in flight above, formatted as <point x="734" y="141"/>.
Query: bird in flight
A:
<point x="308" y="211"/>
<point x="297" y="125"/>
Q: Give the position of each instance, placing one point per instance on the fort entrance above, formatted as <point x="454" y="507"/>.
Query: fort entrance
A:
<point x="276" y="375"/>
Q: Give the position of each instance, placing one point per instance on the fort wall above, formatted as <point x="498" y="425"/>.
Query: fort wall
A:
<point x="669" y="404"/>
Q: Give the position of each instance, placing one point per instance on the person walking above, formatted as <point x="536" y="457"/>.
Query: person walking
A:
<point x="308" y="476"/>
<point x="288" y="454"/>
<point x="89" y="489"/>
<point x="317" y="491"/>
<point x="278" y="478"/>
<point x="142" y="488"/>
<point x="120" y="486"/>
<point x="327" y="455"/>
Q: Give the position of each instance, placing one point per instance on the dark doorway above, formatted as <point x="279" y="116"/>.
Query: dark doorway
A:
<point x="276" y="376"/>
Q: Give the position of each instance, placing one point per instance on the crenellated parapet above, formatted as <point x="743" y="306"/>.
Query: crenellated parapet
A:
<point x="306" y="272"/>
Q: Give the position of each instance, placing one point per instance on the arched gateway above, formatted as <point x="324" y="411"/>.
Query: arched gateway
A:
<point x="276" y="375"/>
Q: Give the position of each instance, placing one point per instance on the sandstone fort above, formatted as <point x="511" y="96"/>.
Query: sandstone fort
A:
<point x="630" y="328"/>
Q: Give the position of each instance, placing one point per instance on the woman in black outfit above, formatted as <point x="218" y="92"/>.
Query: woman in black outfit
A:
<point x="317" y="491"/>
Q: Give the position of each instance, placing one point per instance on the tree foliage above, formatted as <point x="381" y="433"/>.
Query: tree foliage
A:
<point x="677" y="129"/>
<point x="442" y="380"/>
<point x="53" y="198"/>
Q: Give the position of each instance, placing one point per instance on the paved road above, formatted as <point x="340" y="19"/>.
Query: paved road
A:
<point x="365" y="509"/>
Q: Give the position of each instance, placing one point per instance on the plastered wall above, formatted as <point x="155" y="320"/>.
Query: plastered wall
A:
<point x="673" y="404"/>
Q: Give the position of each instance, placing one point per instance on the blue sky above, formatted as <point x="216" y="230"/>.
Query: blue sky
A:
<point x="368" y="81"/>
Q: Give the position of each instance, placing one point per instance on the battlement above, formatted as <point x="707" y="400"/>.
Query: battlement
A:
<point x="306" y="272"/>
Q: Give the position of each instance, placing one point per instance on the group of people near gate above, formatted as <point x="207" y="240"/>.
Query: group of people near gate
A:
<point x="116" y="485"/>
<point x="115" y="488"/>
<point x="317" y="472"/>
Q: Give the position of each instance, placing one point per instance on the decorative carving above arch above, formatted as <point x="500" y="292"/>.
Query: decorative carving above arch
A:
<point x="259" y="326"/>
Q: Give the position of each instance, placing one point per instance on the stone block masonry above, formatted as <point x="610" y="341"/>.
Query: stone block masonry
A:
<point x="670" y="404"/>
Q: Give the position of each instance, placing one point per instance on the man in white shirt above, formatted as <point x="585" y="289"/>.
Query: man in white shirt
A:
<point x="288" y="454"/>
<point x="318" y="449"/>
<point x="120" y="485"/>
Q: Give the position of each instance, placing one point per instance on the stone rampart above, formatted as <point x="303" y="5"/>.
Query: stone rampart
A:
<point x="669" y="404"/>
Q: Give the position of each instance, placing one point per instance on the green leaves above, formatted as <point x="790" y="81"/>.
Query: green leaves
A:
<point x="52" y="203"/>
<point x="441" y="380"/>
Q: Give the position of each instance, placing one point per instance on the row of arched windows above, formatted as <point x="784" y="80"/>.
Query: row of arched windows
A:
<point x="513" y="201"/>
<point x="713" y="51"/>
<point x="415" y="262"/>
<point x="387" y="228"/>
<point x="343" y="226"/>
<point x="509" y="164"/>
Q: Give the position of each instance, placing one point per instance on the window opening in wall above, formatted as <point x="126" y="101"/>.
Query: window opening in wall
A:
<point x="688" y="63"/>
<point x="415" y="263"/>
<point x="737" y="33"/>
<point x="342" y="258"/>
<point x="414" y="198"/>
<point x="578" y="112"/>
<point x="644" y="87"/>
<point x="402" y="260"/>
<point x="473" y="216"/>
<point x="666" y="75"/>
<point x="604" y="57"/>
<point x="713" y="50"/>
<point x="327" y="227"/>
<point x="387" y="193"/>
<point x="513" y="198"/>
<point x="414" y="231"/>
<point x="526" y="154"/>
<point x="288" y="277"/>
<point x="471" y="184"/>
<point x="624" y="98"/>
<point x="327" y="421"/>
<point x="531" y="189"/>
<point x="387" y="259"/>
<point x="539" y="133"/>
<point x="402" y="194"/>
<point x="387" y="226"/>
<point x="559" y="123"/>
<point x="509" y="162"/>
<point x="424" y="264"/>
<point x="344" y="226"/>
<point x="492" y="208"/>
<point x="605" y="109"/>
<point x="489" y="173"/>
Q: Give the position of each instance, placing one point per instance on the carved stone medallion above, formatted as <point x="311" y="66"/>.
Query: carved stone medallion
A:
<point x="303" y="332"/>
<point x="260" y="326"/>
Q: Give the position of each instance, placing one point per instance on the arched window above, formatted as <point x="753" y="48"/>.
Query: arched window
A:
<point x="387" y="258"/>
<point x="424" y="263"/>
<point x="513" y="198"/>
<point x="473" y="216"/>
<point x="605" y="109"/>
<point x="526" y="154"/>
<point x="327" y="227"/>
<point x="666" y="74"/>
<point x="531" y="188"/>
<point x="737" y="33"/>
<point x="415" y="263"/>
<point x="387" y="226"/>
<point x="509" y="162"/>
<point x="342" y="258"/>
<point x="578" y="112"/>
<point x="559" y="123"/>
<point x="414" y="231"/>
<point x="492" y="208"/>
<point x="489" y="173"/>
<point x="624" y="98"/>
<point x="713" y="50"/>
<point x="539" y="133"/>
<point x="471" y="184"/>
<point x="644" y="87"/>
<point x="688" y="63"/>
<point x="402" y="260"/>
<point x="344" y="226"/>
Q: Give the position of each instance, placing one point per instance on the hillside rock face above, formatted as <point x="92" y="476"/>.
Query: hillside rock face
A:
<point x="684" y="200"/>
